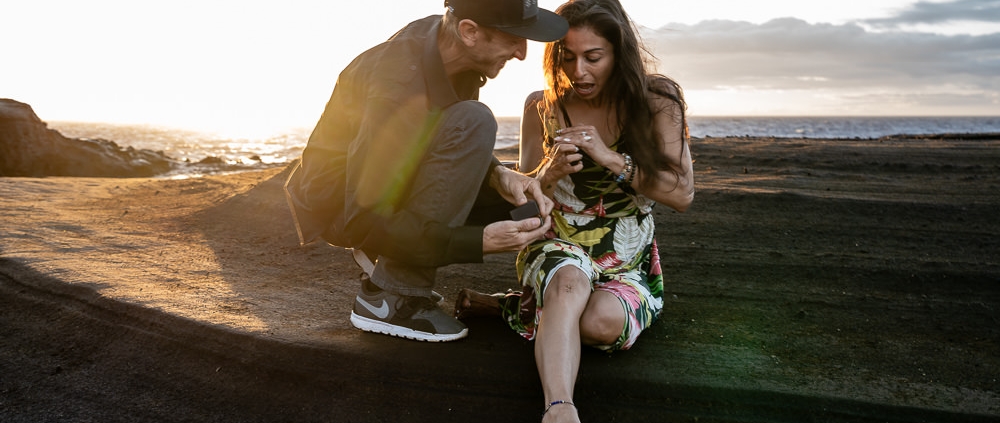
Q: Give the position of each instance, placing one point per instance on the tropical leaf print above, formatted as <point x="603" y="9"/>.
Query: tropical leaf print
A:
<point x="642" y="204"/>
<point x="563" y="195"/>
<point x="603" y="231"/>
<point x="629" y="241"/>
<point x="608" y="261"/>
<point x="590" y="238"/>
<point x="578" y="220"/>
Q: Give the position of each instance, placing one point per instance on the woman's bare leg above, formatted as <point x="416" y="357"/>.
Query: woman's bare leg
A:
<point x="557" y="340"/>
<point x="603" y="320"/>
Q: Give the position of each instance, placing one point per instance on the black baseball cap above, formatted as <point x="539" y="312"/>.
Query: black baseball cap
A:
<point x="522" y="18"/>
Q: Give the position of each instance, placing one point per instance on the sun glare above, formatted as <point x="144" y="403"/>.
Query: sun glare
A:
<point x="247" y="69"/>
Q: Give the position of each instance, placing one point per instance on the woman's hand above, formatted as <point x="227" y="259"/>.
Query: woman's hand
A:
<point x="588" y="140"/>
<point x="563" y="159"/>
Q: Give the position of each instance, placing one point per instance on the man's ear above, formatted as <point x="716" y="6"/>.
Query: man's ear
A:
<point x="470" y="31"/>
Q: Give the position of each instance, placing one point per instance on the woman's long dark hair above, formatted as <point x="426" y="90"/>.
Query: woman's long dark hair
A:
<point x="628" y="85"/>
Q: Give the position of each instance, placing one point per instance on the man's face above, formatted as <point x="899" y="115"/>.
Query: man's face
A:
<point x="494" y="48"/>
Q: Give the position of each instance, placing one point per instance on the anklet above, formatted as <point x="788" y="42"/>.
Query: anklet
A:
<point x="557" y="402"/>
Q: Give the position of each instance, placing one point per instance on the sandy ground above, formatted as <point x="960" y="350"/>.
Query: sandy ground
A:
<point x="812" y="280"/>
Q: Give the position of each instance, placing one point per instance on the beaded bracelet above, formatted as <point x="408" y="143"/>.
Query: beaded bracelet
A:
<point x="631" y="174"/>
<point x="627" y="171"/>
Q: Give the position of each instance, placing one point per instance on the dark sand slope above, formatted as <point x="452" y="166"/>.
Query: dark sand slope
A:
<point x="813" y="280"/>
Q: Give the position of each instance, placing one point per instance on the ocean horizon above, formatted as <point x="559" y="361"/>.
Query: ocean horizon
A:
<point x="851" y="127"/>
<point x="285" y="146"/>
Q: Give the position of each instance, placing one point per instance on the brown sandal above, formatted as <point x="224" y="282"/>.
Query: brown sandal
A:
<point x="479" y="304"/>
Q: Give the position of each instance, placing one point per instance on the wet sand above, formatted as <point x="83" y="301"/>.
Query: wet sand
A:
<point x="812" y="280"/>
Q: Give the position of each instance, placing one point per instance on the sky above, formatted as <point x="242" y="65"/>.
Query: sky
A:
<point x="252" y="66"/>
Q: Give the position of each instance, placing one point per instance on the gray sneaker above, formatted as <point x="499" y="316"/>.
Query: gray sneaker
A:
<point x="367" y="265"/>
<point x="417" y="318"/>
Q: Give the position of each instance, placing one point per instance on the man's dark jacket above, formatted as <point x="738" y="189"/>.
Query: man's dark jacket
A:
<point x="356" y="168"/>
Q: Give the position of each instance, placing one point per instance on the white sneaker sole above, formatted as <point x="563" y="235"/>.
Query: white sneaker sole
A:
<point x="377" y="326"/>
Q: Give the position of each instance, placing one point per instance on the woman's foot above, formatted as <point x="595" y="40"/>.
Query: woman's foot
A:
<point x="476" y="304"/>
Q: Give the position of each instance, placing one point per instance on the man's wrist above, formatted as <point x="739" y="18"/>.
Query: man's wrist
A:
<point x="494" y="174"/>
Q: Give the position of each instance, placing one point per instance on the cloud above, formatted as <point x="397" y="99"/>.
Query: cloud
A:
<point x="938" y="13"/>
<point x="846" y="60"/>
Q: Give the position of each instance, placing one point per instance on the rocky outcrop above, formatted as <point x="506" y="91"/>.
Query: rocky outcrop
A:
<point x="29" y="148"/>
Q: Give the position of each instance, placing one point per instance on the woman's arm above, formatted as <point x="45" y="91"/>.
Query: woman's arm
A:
<point x="531" y="151"/>
<point x="532" y="158"/>
<point x="672" y="187"/>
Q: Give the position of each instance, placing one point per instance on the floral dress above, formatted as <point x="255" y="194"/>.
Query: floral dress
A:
<point x="606" y="233"/>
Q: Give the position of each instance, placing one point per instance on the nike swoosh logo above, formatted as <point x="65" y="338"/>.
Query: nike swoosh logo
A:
<point x="381" y="311"/>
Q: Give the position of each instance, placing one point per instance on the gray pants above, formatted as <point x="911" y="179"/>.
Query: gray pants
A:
<point x="446" y="188"/>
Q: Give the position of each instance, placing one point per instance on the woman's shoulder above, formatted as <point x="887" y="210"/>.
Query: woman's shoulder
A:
<point x="534" y="106"/>
<point x="663" y="92"/>
<point x="533" y="99"/>
<point x="662" y="86"/>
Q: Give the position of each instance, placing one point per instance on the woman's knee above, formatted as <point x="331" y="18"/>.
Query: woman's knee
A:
<point x="602" y="321"/>
<point x="568" y="282"/>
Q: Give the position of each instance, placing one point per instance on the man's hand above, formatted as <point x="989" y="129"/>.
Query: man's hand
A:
<point x="510" y="235"/>
<point x="516" y="187"/>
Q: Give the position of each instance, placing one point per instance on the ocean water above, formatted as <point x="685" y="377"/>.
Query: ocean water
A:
<point x="839" y="127"/>
<point x="809" y="127"/>
<point x="194" y="146"/>
<point x="282" y="147"/>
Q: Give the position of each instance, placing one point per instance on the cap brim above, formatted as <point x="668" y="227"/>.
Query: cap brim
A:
<point x="548" y="27"/>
